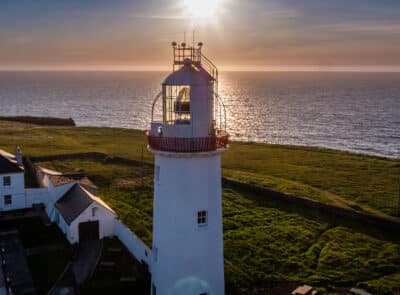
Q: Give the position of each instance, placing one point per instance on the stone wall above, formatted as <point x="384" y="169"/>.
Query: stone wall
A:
<point x="346" y="214"/>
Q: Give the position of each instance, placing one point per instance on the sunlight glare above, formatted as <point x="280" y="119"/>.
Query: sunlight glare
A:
<point x="202" y="9"/>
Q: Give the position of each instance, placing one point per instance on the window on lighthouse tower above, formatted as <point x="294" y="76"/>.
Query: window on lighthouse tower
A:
<point x="177" y="104"/>
<point x="202" y="217"/>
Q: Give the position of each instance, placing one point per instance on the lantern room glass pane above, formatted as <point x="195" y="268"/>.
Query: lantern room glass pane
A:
<point x="177" y="104"/>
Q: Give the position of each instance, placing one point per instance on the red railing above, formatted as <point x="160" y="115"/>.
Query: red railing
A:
<point x="187" y="145"/>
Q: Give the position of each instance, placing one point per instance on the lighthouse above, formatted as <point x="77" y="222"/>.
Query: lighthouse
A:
<point x="187" y="138"/>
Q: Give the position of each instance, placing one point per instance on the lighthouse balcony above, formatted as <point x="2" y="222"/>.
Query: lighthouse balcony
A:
<point x="188" y="144"/>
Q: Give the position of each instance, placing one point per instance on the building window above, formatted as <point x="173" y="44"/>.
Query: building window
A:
<point x="177" y="104"/>
<point x="157" y="173"/>
<point x="7" y="200"/>
<point x="6" y="180"/>
<point x="202" y="218"/>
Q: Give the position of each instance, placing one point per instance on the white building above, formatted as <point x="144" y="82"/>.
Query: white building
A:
<point x="69" y="200"/>
<point x="83" y="216"/>
<point x="12" y="183"/>
<point x="187" y="143"/>
<point x="74" y="206"/>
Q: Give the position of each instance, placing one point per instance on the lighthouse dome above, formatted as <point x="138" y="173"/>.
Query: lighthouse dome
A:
<point x="188" y="108"/>
<point x="189" y="75"/>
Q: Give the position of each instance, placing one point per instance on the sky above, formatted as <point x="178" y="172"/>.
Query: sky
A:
<point x="237" y="34"/>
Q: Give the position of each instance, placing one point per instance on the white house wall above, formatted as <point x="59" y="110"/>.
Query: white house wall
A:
<point x="104" y="216"/>
<point x="37" y="196"/>
<point x="17" y="191"/>
<point x="18" y="202"/>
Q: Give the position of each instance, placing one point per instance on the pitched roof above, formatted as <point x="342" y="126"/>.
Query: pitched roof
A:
<point x="57" y="178"/>
<point x="88" y="185"/>
<point x="75" y="201"/>
<point x="6" y="154"/>
<point x="98" y="200"/>
<point x="49" y="171"/>
<point x="8" y="163"/>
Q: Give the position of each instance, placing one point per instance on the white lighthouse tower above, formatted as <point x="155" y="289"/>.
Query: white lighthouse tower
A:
<point x="187" y="142"/>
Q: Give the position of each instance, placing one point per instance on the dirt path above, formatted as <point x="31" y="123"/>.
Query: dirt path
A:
<point x="85" y="263"/>
<point x="80" y="269"/>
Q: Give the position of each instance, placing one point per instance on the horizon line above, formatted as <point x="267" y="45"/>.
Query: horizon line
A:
<point x="294" y="68"/>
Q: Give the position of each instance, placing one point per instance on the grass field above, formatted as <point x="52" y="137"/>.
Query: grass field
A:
<point x="264" y="242"/>
<point x="363" y="182"/>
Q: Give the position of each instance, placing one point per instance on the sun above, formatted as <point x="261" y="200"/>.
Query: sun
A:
<point x="201" y="9"/>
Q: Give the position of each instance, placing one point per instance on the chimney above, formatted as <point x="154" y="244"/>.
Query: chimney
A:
<point x="19" y="156"/>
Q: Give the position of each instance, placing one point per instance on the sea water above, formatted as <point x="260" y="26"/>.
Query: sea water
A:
<point x="357" y="112"/>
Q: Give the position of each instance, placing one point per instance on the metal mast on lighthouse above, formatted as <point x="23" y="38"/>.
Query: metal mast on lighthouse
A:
<point x="187" y="142"/>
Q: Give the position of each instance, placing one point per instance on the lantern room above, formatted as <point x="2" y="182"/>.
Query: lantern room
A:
<point x="190" y="114"/>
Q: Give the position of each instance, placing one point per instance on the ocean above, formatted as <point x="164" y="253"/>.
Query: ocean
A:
<point x="358" y="112"/>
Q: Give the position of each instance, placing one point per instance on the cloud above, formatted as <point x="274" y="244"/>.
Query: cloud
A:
<point x="367" y="27"/>
<point x="159" y="17"/>
<point x="344" y="32"/>
<point x="281" y="13"/>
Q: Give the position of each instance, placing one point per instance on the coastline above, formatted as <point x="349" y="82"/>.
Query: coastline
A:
<point x="350" y="179"/>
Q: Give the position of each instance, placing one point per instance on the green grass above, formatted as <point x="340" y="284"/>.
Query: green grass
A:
<point x="384" y="285"/>
<point x="39" y="140"/>
<point x="264" y="242"/>
<point x="372" y="183"/>
<point x="345" y="179"/>
<point x="281" y="185"/>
